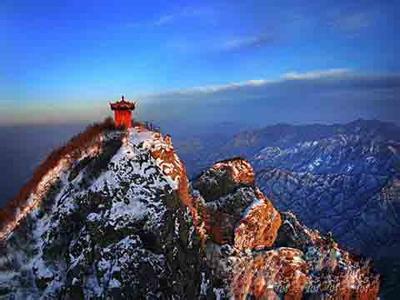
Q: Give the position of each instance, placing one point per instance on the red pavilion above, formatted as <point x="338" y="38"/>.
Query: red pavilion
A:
<point x="123" y="112"/>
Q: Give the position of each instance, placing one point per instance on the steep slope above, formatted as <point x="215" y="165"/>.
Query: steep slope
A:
<point x="109" y="224"/>
<point x="343" y="179"/>
<point x="259" y="253"/>
<point x="347" y="183"/>
<point x="117" y="218"/>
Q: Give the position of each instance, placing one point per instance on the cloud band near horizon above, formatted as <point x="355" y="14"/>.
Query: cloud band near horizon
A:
<point x="318" y="87"/>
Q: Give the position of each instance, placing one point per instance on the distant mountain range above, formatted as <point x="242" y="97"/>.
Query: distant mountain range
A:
<point x="343" y="179"/>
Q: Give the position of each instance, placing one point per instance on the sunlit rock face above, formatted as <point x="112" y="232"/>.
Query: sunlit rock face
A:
<point x="259" y="253"/>
<point x="122" y="221"/>
<point x="233" y="208"/>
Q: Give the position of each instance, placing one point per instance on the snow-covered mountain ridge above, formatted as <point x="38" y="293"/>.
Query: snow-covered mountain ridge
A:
<point x="120" y="219"/>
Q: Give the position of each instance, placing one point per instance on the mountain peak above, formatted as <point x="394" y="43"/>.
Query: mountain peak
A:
<point x="115" y="216"/>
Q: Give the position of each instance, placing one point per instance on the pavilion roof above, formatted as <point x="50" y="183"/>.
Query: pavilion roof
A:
<point x="123" y="105"/>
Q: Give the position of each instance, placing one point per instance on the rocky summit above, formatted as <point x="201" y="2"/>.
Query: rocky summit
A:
<point x="115" y="217"/>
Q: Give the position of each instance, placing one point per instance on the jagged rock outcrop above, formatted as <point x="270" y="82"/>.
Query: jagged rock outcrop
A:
<point x="233" y="209"/>
<point x="340" y="178"/>
<point x="118" y="218"/>
<point x="266" y="255"/>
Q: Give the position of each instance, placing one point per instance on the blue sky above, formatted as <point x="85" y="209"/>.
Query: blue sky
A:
<point x="71" y="55"/>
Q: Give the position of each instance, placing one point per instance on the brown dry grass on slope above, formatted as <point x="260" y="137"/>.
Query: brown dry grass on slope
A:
<point x="73" y="148"/>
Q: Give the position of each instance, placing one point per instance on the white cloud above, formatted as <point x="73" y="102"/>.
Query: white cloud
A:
<point x="228" y="86"/>
<point x="187" y="12"/>
<point x="239" y="43"/>
<point x="209" y="89"/>
<point x="317" y="74"/>
<point x="314" y="96"/>
<point x="165" y="20"/>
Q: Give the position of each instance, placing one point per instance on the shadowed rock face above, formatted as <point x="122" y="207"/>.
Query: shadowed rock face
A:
<point x="124" y="222"/>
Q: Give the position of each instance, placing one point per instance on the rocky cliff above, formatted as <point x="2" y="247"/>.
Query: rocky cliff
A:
<point x="258" y="252"/>
<point x="118" y="218"/>
<point x="342" y="178"/>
